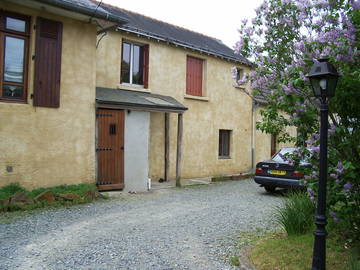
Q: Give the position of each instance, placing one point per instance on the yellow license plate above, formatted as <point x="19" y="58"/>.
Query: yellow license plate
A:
<point x="277" y="172"/>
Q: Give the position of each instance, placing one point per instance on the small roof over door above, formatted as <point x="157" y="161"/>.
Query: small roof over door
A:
<point x="135" y="100"/>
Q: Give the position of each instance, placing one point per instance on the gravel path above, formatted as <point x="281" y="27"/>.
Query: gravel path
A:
<point x="188" y="228"/>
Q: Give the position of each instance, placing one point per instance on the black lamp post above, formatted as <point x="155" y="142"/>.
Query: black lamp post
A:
<point x="323" y="78"/>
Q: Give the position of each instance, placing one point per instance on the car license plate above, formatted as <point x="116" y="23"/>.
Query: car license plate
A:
<point x="277" y="172"/>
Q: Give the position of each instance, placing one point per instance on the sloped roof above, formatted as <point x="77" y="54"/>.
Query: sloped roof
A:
<point x="86" y="7"/>
<point x="176" y="35"/>
<point x="129" y="98"/>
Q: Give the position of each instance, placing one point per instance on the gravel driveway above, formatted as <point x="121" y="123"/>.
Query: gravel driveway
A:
<point x="187" y="228"/>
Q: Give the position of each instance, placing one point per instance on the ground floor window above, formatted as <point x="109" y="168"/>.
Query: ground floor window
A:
<point x="224" y="143"/>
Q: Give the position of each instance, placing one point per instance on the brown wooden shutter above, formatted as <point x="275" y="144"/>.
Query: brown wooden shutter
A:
<point x="47" y="63"/>
<point x="146" y="66"/>
<point x="194" y="76"/>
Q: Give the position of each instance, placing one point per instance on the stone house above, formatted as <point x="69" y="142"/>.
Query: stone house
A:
<point x="93" y="93"/>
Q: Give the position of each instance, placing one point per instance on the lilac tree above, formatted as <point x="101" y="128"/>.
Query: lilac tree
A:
<point x="284" y="40"/>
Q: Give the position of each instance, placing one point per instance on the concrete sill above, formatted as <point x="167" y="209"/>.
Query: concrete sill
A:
<point x="133" y="87"/>
<point x="196" y="98"/>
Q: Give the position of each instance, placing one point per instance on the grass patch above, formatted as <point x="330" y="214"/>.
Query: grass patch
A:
<point x="234" y="260"/>
<point x="281" y="252"/>
<point x="355" y="259"/>
<point x="11" y="189"/>
<point x="296" y="215"/>
<point x="80" y="189"/>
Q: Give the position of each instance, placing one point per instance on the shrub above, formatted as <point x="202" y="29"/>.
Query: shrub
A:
<point x="355" y="259"/>
<point x="11" y="189"/>
<point x="296" y="214"/>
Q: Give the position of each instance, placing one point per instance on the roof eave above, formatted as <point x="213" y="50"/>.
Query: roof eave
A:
<point x="84" y="10"/>
<point x="130" y="105"/>
<point x="184" y="45"/>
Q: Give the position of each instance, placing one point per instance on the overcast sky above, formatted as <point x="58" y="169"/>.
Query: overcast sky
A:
<point x="219" y="19"/>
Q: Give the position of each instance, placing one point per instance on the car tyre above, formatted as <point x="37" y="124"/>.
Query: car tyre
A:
<point x="270" y="188"/>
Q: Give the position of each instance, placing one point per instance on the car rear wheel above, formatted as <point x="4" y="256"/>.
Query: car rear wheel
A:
<point x="270" y="188"/>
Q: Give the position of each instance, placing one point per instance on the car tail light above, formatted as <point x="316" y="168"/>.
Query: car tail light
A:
<point x="259" y="170"/>
<point x="297" y="174"/>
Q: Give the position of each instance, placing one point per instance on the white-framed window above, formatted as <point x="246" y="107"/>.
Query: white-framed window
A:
<point x="134" y="63"/>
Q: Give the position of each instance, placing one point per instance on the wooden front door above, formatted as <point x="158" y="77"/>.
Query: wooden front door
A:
<point x="110" y="149"/>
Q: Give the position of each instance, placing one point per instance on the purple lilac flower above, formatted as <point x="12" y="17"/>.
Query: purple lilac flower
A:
<point x="287" y="90"/>
<point x="249" y="31"/>
<point x="316" y="149"/>
<point x="348" y="186"/>
<point x="238" y="46"/>
<point x="333" y="175"/>
<point x="242" y="80"/>
<point x="356" y="5"/>
<point x="332" y="129"/>
<point x="316" y="136"/>
<point x="234" y="72"/>
<point x="311" y="194"/>
<point x="309" y="142"/>
<point x="334" y="216"/>
<point x="340" y="168"/>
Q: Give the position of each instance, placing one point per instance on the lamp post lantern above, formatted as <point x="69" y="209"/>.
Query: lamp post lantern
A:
<point x="323" y="77"/>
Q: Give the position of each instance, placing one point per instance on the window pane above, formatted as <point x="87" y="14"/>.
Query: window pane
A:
<point x="224" y="143"/>
<point x="240" y="74"/>
<point x="12" y="91"/>
<point x="14" y="59"/>
<point x="137" y="69"/>
<point x="125" y="63"/>
<point x="15" y="24"/>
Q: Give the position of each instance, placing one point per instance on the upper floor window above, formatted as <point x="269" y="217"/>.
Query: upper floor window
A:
<point x="239" y="74"/>
<point x="135" y="64"/>
<point x="194" y="76"/>
<point x="14" y="43"/>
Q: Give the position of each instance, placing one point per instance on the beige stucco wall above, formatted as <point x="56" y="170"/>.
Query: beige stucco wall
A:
<point x="44" y="146"/>
<point x="226" y="107"/>
<point x="262" y="141"/>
